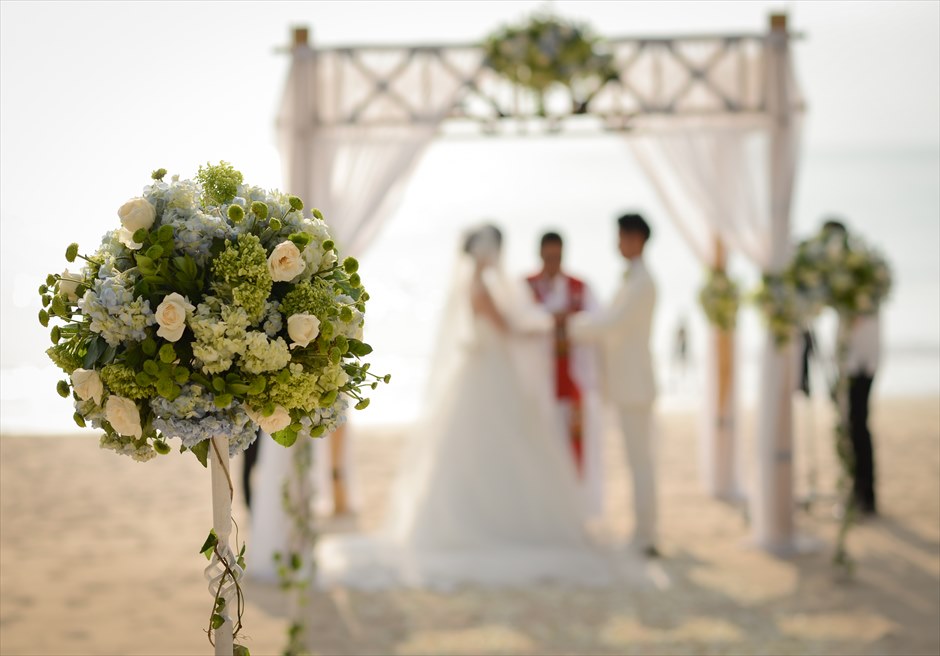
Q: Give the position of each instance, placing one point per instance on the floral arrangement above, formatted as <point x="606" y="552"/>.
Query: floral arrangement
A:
<point x="547" y="51"/>
<point x="720" y="300"/>
<point x="830" y="269"/>
<point x="215" y="308"/>
<point x="837" y="270"/>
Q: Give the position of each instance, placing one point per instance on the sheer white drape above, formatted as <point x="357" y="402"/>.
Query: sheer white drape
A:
<point x="355" y="175"/>
<point x="733" y="181"/>
<point x="704" y="179"/>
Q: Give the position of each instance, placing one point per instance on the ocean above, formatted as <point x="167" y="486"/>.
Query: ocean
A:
<point x="577" y="186"/>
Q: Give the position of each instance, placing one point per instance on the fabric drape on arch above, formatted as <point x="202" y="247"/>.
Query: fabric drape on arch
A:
<point x="730" y="181"/>
<point x="356" y="173"/>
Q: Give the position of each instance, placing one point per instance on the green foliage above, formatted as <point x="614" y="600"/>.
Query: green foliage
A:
<point x="64" y="357"/>
<point x="310" y="297"/>
<point x="123" y="381"/>
<point x="548" y="51"/>
<point x="219" y="182"/>
<point x="241" y="275"/>
<point x="720" y="300"/>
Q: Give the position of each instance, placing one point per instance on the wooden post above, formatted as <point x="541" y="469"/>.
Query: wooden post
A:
<point x="772" y="500"/>
<point x="338" y="446"/>
<point x="724" y="451"/>
<point x="216" y="574"/>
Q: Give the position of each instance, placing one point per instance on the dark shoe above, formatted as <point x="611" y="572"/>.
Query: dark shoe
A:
<point x="651" y="552"/>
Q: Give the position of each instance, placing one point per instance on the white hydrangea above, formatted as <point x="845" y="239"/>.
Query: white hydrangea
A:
<point x="220" y="336"/>
<point x="262" y="354"/>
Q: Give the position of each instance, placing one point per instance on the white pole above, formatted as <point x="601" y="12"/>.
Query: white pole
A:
<point x="222" y="525"/>
<point x="772" y="501"/>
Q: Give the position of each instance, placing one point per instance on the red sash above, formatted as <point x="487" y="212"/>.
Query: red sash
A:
<point x="566" y="388"/>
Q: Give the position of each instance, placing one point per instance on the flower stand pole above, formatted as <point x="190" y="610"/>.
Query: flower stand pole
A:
<point x="223" y="571"/>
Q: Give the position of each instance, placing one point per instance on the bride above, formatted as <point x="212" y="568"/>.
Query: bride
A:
<point x="485" y="493"/>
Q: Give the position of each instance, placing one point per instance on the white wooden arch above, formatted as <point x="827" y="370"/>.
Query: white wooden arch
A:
<point x="355" y="119"/>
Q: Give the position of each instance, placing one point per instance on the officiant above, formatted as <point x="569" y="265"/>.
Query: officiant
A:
<point x="577" y="398"/>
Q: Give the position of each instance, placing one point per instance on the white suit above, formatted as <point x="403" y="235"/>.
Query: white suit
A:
<point x="622" y="331"/>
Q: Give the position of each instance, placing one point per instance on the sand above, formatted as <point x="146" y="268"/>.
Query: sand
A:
<point x="98" y="555"/>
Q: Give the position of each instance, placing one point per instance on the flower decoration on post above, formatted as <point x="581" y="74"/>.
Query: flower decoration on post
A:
<point x="548" y="51"/>
<point x="212" y="309"/>
<point x="837" y="270"/>
<point x="720" y="300"/>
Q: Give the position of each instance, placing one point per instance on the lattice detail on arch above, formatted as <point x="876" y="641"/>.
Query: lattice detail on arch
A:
<point x="708" y="76"/>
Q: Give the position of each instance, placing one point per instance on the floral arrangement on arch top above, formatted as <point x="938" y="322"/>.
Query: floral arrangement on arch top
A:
<point x="547" y="51"/>
<point x="216" y="308"/>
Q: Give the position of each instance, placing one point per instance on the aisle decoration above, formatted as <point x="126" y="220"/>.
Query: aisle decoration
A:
<point x="836" y="270"/>
<point x="857" y="281"/>
<point x="548" y="51"/>
<point x="213" y="309"/>
<point x="720" y="299"/>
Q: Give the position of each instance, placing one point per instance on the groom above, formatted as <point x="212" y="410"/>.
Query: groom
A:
<point x="623" y="332"/>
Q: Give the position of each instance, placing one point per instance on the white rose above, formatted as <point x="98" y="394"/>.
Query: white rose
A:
<point x="285" y="262"/>
<point x="69" y="284"/>
<point x="87" y="384"/>
<point x="126" y="237"/>
<point x="276" y="421"/>
<point x="302" y="328"/>
<point x="171" y="316"/>
<point x="137" y="213"/>
<point x="123" y="416"/>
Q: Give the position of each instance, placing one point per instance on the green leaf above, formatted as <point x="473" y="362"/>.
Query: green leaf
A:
<point x="109" y="353"/>
<point x="257" y="385"/>
<point x="145" y="264"/>
<point x="167" y="353"/>
<point x="359" y="349"/>
<point x="95" y="348"/>
<point x="217" y="621"/>
<point x="201" y="451"/>
<point x="286" y="437"/>
<point x="218" y="384"/>
<point x="165" y="233"/>
<point x="161" y="447"/>
<point x="155" y="252"/>
<point x="223" y="400"/>
<point x="240" y="650"/>
<point x="211" y="541"/>
<point x="141" y="236"/>
<point x="58" y="307"/>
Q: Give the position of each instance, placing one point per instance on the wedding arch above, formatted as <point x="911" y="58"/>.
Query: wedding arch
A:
<point x="713" y="120"/>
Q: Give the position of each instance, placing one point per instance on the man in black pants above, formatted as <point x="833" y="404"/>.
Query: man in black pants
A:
<point x="250" y="455"/>
<point x="861" y="363"/>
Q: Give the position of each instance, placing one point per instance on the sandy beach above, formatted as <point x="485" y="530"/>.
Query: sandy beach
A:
<point x="99" y="555"/>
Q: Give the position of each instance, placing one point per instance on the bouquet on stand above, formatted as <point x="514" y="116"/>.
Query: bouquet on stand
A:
<point x="213" y="308"/>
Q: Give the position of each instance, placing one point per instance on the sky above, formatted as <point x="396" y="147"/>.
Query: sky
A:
<point x="95" y="95"/>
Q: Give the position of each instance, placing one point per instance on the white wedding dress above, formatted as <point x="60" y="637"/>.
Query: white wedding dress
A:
<point x="485" y="494"/>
